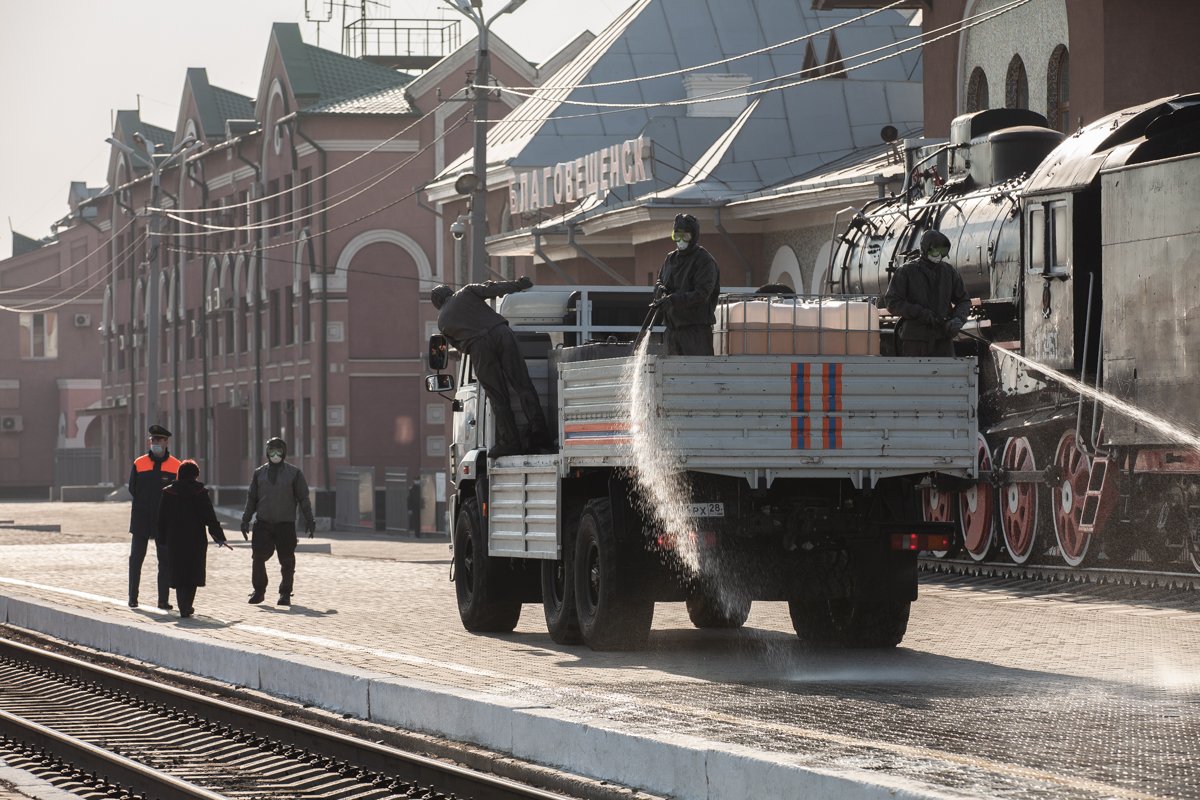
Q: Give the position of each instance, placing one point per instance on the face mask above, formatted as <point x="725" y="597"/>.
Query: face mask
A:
<point x="938" y="254"/>
<point x="275" y="458"/>
<point x="158" y="449"/>
<point x="681" y="245"/>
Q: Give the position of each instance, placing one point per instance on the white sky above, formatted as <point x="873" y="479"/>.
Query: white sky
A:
<point x="67" y="65"/>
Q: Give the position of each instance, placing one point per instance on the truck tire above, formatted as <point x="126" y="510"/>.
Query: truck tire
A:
<point x="558" y="599"/>
<point x="707" y="611"/>
<point x="850" y="623"/>
<point x="612" y="614"/>
<point x="483" y="603"/>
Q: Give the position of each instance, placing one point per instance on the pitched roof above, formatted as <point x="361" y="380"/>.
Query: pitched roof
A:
<point x="231" y="105"/>
<point x="349" y="85"/>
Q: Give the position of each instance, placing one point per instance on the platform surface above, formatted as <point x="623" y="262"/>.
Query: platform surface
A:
<point x="1001" y="689"/>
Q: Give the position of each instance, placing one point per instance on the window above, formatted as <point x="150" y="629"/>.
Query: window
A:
<point x="977" y="91"/>
<point x="230" y="342"/>
<point x="1049" y="238"/>
<point x="273" y="318"/>
<point x="39" y="335"/>
<point x="244" y="311"/>
<point x="276" y="424"/>
<point x="305" y="312"/>
<point x="288" y="206"/>
<point x="1016" y="85"/>
<point x="306" y="425"/>
<point x="191" y="451"/>
<point x="306" y="190"/>
<point x="834" y="66"/>
<point x="273" y="206"/>
<point x="187" y="331"/>
<point x="1058" y="89"/>
<point x="289" y="315"/>
<point x="122" y="343"/>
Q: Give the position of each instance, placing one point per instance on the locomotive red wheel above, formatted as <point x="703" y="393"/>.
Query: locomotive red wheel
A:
<point x="975" y="509"/>
<point x="937" y="505"/>
<point x="1067" y="499"/>
<point x="1019" y="502"/>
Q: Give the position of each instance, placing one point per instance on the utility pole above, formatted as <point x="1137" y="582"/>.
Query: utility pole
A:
<point x="473" y="10"/>
<point x="156" y="163"/>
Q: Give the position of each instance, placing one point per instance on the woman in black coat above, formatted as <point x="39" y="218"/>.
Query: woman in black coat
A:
<point x="183" y="515"/>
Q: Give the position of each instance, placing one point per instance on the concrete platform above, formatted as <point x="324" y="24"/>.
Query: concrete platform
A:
<point x="1002" y="689"/>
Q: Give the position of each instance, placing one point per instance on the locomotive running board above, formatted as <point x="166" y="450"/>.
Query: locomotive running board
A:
<point x="1098" y="487"/>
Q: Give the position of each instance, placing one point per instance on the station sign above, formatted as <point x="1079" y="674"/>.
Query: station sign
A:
<point x="597" y="174"/>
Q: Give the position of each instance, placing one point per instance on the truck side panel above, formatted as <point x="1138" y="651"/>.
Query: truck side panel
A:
<point x="769" y="417"/>
<point x="523" y="508"/>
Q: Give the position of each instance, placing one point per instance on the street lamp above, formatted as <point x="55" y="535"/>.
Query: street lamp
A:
<point x="473" y="10"/>
<point x="156" y="166"/>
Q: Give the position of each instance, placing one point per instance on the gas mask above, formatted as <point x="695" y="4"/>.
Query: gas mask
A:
<point x="275" y="457"/>
<point x="682" y="239"/>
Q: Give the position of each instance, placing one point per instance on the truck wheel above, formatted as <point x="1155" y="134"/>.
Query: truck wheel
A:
<point x="611" y="614"/>
<point x="707" y="611"/>
<point x="851" y="623"/>
<point x="558" y="599"/>
<point x="478" y="581"/>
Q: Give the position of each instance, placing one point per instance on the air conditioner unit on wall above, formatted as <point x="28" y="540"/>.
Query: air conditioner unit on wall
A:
<point x="239" y="398"/>
<point x="83" y="320"/>
<point x="11" y="423"/>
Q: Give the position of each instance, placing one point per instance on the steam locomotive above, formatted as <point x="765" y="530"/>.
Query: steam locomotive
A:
<point x="1083" y="254"/>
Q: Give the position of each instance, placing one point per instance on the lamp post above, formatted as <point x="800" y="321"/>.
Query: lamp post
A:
<point x="473" y="10"/>
<point x="156" y="163"/>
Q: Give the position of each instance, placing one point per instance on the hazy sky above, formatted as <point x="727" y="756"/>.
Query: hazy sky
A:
<point x="66" y="65"/>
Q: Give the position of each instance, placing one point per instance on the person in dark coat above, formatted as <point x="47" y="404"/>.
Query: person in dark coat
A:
<point x="686" y="292"/>
<point x="150" y="473"/>
<point x="184" y="514"/>
<point x="475" y="328"/>
<point x="277" y="489"/>
<point x="929" y="296"/>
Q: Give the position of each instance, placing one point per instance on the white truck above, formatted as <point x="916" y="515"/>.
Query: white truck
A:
<point x="785" y="468"/>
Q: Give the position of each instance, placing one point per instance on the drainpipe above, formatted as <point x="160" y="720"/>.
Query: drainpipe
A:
<point x="132" y="433"/>
<point x="323" y="381"/>
<point x="256" y="262"/>
<point x="732" y="246"/>
<point x="206" y="408"/>
<point x="612" y="273"/>
<point x="537" y="249"/>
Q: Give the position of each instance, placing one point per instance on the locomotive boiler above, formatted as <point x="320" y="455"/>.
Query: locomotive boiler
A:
<point x="1082" y="256"/>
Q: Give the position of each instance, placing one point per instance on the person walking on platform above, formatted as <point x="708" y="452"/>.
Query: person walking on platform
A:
<point x="686" y="292"/>
<point x="929" y="296"/>
<point x="151" y="472"/>
<point x="474" y="327"/>
<point x="276" y="489"/>
<point x="184" y="514"/>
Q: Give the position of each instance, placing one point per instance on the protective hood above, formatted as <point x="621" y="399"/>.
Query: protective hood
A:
<point x="931" y="239"/>
<point x="686" y="222"/>
<point x="439" y="295"/>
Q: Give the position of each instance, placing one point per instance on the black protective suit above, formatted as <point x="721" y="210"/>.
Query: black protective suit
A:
<point x="686" y="290"/>
<point x="931" y="300"/>
<point x="475" y="328"/>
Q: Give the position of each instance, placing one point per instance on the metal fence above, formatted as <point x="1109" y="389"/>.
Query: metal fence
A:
<point x="78" y="466"/>
<point x="355" y="503"/>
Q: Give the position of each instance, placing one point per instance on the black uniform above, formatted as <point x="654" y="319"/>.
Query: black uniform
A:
<point x="687" y="289"/>
<point x="146" y="481"/>
<point x="186" y="512"/>
<point x="931" y="300"/>
<point x="475" y="328"/>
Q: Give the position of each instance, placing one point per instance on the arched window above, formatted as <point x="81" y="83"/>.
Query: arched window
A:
<point x="977" y="91"/>
<point x="1016" y="85"/>
<point x="1058" y="89"/>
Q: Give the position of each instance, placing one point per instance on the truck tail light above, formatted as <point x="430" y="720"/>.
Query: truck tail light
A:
<point x="921" y="541"/>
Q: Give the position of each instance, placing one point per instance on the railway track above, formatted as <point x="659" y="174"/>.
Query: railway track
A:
<point x="101" y="733"/>
<point x="1117" y="576"/>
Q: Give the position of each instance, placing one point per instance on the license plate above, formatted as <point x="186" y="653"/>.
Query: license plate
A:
<point x="706" y="510"/>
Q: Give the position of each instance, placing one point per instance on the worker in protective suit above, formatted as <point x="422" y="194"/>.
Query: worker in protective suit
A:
<point x="474" y="327"/>
<point x="931" y="300"/>
<point x="686" y="292"/>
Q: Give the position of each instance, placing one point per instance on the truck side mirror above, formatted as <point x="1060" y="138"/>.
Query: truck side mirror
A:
<point x="439" y="383"/>
<point x="439" y="352"/>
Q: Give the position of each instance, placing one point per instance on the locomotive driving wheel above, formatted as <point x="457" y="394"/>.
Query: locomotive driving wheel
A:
<point x="937" y="505"/>
<point x="1019" y="502"/>
<point x="975" y="508"/>
<point x="1067" y="499"/>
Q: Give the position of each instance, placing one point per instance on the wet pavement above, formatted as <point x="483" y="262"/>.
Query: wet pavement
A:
<point x="1008" y="689"/>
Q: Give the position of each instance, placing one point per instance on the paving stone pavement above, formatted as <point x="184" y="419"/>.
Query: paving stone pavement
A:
<point x="1000" y="689"/>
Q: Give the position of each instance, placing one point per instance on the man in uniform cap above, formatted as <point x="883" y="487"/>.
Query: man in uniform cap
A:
<point x="151" y="472"/>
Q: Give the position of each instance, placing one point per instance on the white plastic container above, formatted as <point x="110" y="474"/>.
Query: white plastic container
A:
<point x="797" y="326"/>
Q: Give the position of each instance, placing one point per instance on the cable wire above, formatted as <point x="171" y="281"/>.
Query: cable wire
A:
<point x="65" y="270"/>
<point x="113" y="267"/>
